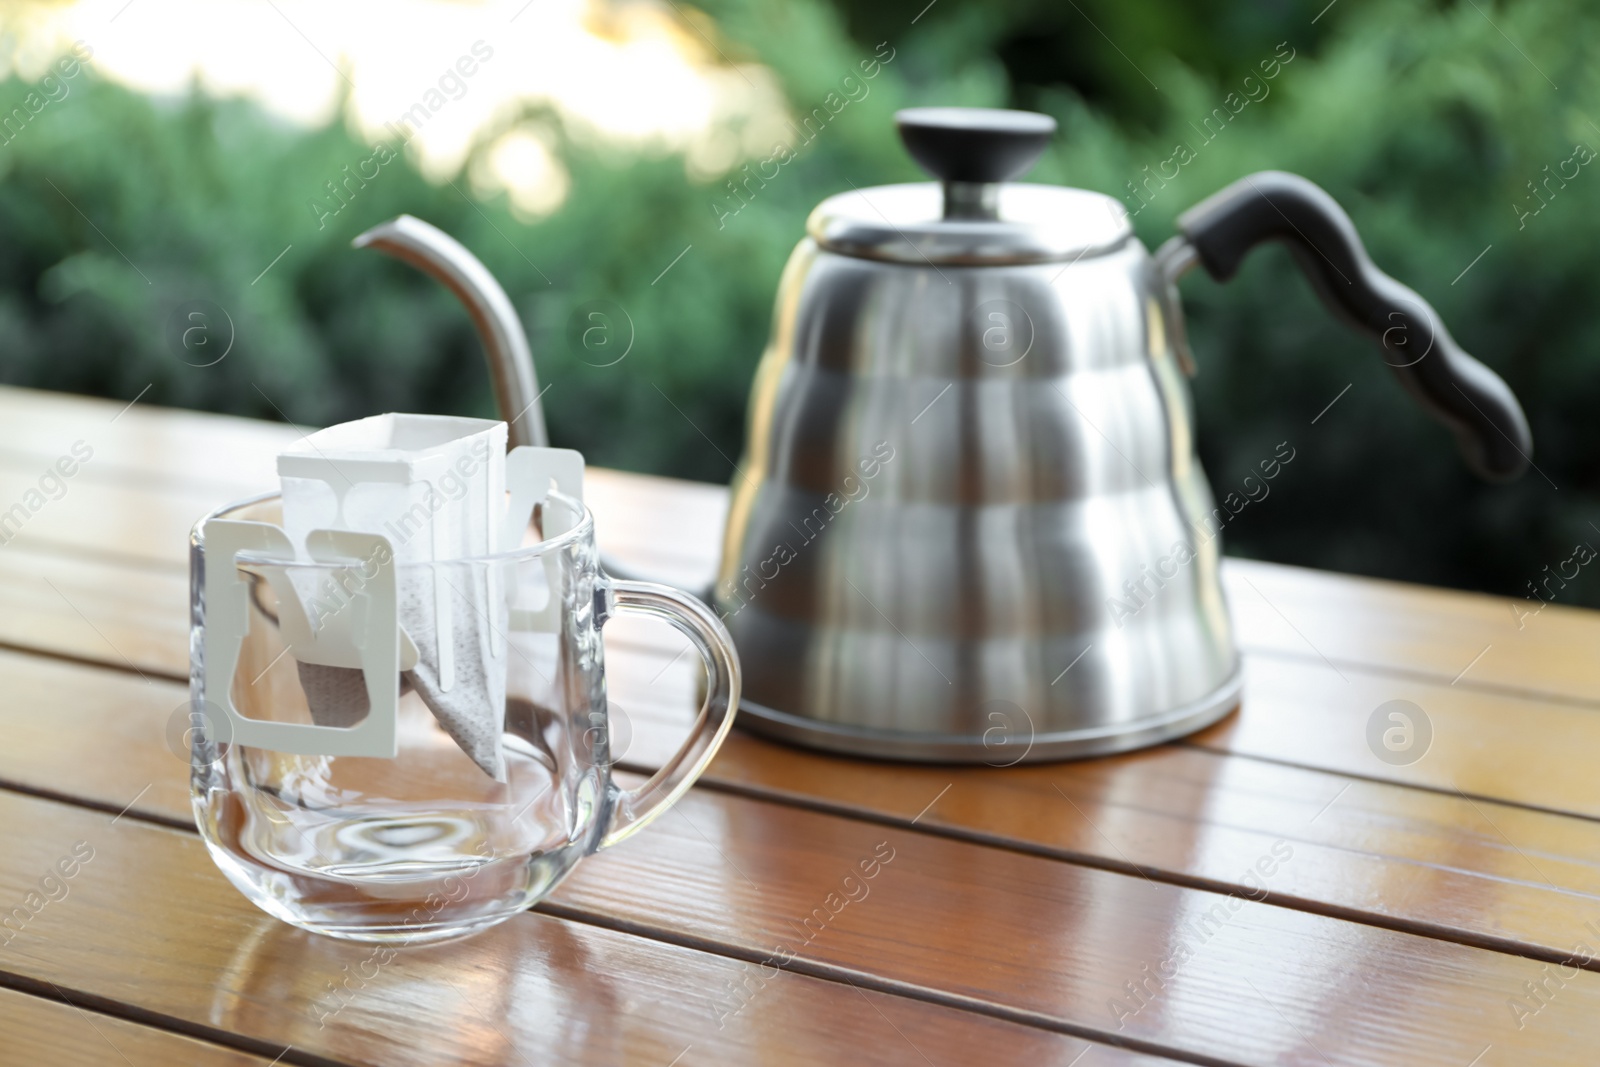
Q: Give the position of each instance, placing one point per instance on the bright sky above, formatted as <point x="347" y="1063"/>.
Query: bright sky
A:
<point x="628" y="70"/>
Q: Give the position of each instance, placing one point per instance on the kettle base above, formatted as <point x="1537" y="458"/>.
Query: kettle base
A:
<point x="910" y="746"/>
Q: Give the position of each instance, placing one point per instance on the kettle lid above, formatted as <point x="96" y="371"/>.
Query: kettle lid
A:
<point x="975" y="214"/>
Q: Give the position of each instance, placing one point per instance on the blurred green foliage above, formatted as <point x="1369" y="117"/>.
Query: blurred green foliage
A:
<point x="1427" y="120"/>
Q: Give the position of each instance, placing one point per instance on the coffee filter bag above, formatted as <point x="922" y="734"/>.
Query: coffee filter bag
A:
<point x="435" y="487"/>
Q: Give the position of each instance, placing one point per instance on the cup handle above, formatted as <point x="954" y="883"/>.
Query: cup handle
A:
<point x="633" y="809"/>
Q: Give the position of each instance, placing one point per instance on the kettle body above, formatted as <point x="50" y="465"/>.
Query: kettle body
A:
<point x="953" y="470"/>
<point x="970" y="524"/>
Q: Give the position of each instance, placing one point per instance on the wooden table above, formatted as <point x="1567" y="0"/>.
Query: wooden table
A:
<point x="1266" y="892"/>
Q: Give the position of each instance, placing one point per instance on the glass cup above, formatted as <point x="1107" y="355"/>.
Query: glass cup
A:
<point x="424" y="844"/>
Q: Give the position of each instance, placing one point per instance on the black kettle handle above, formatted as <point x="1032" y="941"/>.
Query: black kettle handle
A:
<point x="1469" y="398"/>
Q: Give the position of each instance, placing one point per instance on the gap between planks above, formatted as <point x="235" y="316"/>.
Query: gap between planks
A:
<point x="133" y="1013"/>
<point x="894" y="987"/>
<point x="834" y="973"/>
<point x="820" y="806"/>
<point x="1186" y="742"/>
<point x="1178" y="878"/>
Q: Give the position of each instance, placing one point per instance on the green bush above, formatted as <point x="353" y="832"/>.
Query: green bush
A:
<point x="1425" y="120"/>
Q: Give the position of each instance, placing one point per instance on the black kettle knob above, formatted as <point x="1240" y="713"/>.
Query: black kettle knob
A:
<point x="975" y="145"/>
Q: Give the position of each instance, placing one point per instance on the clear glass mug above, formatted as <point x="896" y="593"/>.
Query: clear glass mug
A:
<point x="425" y="845"/>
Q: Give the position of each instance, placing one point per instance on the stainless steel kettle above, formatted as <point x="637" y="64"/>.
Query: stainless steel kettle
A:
<point x="970" y="524"/>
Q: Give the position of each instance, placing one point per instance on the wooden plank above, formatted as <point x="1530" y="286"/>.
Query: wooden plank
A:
<point x="38" y="1031"/>
<point x="1062" y="943"/>
<point x="1510" y="644"/>
<point x="103" y="517"/>
<point x="90" y="609"/>
<point x="153" y="472"/>
<point x="148" y="922"/>
<point x="662" y="528"/>
<point x="77" y="598"/>
<point x="103" y="736"/>
<point x="1010" y="930"/>
<point x="142" y="444"/>
<point x="1367" y="844"/>
<point x="1483" y="744"/>
<point x="1404" y="859"/>
<point x="1181" y="814"/>
<point x="108" y="521"/>
<point x="1297" y="710"/>
<point x="1304" y="711"/>
<point x="1018" y="936"/>
<point x="156" y="470"/>
<point x="197" y="456"/>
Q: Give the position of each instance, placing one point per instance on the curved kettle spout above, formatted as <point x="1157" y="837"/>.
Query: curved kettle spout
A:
<point x="505" y="345"/>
